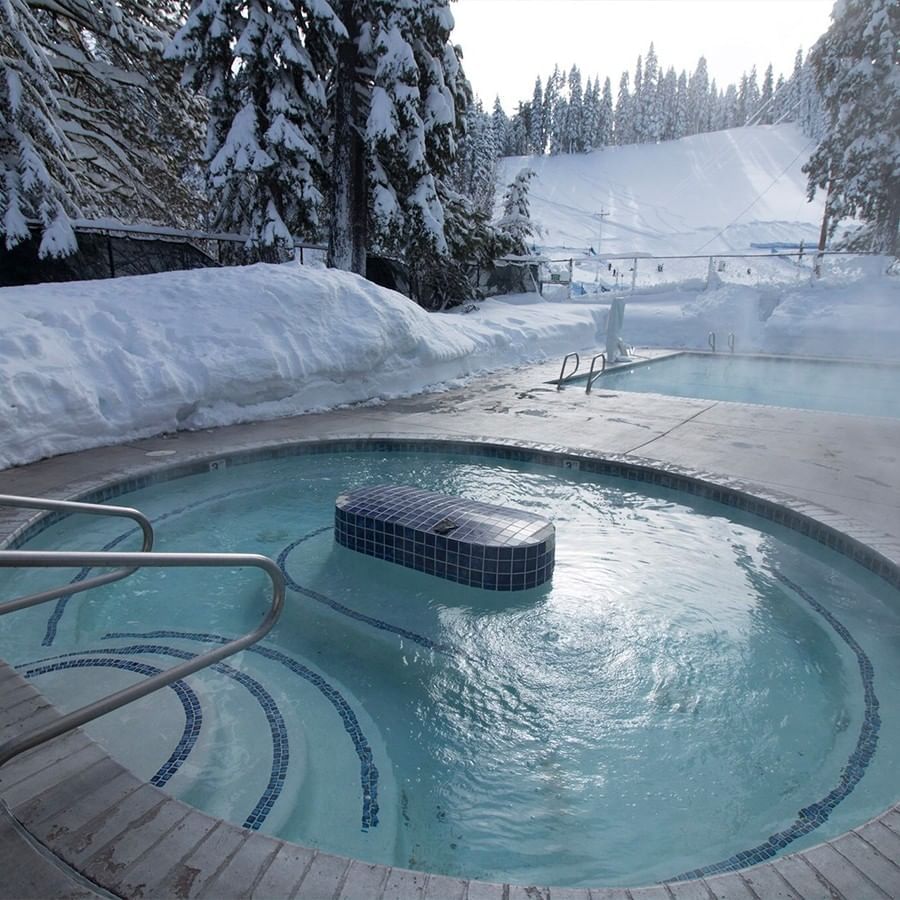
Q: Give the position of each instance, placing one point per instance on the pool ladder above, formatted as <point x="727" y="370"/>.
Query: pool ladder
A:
<point x="125" y="564"/>
<point x="711" y="340"/>
<point x="592" y="375"/>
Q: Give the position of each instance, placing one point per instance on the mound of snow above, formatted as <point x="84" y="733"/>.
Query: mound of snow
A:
<point x="92" y="363"/>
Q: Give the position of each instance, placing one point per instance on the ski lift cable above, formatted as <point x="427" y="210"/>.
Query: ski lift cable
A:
<point x="759" y="196"/>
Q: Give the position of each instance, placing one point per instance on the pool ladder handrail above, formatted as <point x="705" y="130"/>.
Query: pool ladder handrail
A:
<point x="72" y="506"/>
<point x="562" y="370"/>
<point x="128" y="563"/>
<point x="593" y="377"/>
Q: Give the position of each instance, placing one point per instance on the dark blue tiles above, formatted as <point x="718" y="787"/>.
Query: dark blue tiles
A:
<point x="472" y="543"/>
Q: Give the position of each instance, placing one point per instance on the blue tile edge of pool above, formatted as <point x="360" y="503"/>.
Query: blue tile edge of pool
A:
<point x="777" y="511"/>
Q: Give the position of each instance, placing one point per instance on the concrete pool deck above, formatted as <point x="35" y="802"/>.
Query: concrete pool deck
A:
<point x="89" y="827"/>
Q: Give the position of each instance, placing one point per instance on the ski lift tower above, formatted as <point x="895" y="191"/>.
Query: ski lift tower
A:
<point x="601" y="216"/>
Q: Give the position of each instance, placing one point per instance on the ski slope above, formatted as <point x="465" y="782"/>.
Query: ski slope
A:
<point x="708" y="193"/>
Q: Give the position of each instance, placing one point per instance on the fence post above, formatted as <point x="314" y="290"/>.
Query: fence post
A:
<point x="109" y="254"/>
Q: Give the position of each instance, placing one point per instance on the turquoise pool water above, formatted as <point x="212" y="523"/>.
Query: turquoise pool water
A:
<point x="686" y="687"/>
<point x="864" y="389"/>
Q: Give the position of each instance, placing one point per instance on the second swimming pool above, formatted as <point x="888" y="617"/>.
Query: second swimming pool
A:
<point x="861" y="388"/>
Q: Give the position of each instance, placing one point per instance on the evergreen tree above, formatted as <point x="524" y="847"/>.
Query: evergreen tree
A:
<point x="559" y="127"/>
<point x="857" y="69"/>
<point x="698" y="99"/>
<point x="637" y="104"/>
<point x="501" y="125"/>
<point x="668" y="105"/>
<point x="651" y="115"/>
<point x="515" y="226"/>
<point x="34" y="152"/>
<point x="682" y="105"/>
<point x="267" y="103"/>
<point x="624" y="131"/>
<point x="537" y="138"/>
<point x="574" y="141"/>
<point x="92" y="120"/>
<point x="551" y="99"/>
<point x="766" y="104"/>
<point x="605" y="119"/>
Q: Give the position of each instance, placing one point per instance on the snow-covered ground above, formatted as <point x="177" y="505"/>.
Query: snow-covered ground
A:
<point x="92" y="363"/>
<point x="708" y="193"/>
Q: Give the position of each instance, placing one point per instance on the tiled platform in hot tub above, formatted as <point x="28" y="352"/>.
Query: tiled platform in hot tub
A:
<point x="471" y="543"/>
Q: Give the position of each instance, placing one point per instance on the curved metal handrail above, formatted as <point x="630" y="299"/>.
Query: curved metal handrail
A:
<point x="93" y="509"/>
<point x="42" y="559"/>
<point x="591" y="376"/>
<point x="566" y="358"/>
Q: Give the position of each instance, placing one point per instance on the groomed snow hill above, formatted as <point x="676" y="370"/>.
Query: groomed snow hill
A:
<point x="93" y="363"/>
<point x="676" y="197"/>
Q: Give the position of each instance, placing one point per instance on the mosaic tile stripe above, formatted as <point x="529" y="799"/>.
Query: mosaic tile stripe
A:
<point x="280" y="748"/>
<point x="346" y="610"/>
<point x="60" y="606"/>
<point x="368" y="770"/>
<point x="811" y="817"/>
<point x="193" y="715"/>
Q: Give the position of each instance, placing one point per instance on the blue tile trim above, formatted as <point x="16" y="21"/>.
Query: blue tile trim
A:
<point x="193" y="715"/>
<point x="811" y="817"/>
<point x="280" y="749"/>
<point x="346" y="610"/>
<point x="368" y="770"/>
<point x="62" y="602"/>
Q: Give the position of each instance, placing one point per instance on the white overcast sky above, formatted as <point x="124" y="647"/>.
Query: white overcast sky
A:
<point x="507" y="43"/>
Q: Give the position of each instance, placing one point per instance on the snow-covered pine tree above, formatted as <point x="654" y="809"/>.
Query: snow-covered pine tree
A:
<point x="857" y="68"/>
<point x="515" y="226"/>
<point x="501" y="124"/>
<point x="667" y="105"/>
<point x="682" y="104"/>
<point x="35" y="156"/>
<point x="730" y="107"/>
<point x="766" y="104"/>
<point x="267" y="105"/>
<point x="698" y="99"/>
<point x="537" y="138"/>
<point x="624" y="130"/>
<point x="591" y="113"/>
<point x="417" y="95"/>
<point x="111" y="130"/>
<point x="559" y="126"/>
<point x="574" y="141"/>
<point x="752" y="94"/>
<point x="605" y="119"/>
<point x="810" y="113"/>
<point x="651" y="97"/>
<point x="637" y="104"/>
<point x="551" y="99"/>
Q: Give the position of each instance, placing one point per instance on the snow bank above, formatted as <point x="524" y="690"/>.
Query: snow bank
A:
<point x="857" y="320"/>
<point x="92" y="363"/>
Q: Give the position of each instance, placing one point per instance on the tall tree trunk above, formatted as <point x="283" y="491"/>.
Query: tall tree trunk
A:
<point x="349" y="206"/>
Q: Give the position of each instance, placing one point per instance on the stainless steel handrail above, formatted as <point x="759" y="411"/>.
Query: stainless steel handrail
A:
<point x="42" y="559"/>
<point x="93" y="509"/>
<point x="566" y="358"/>
<point x="591" y="376"/>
